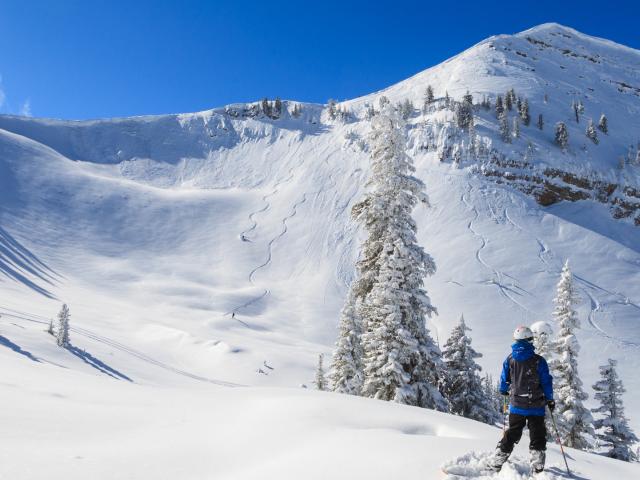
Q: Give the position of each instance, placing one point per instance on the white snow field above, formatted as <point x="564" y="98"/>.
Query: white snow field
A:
<point x="205" y="258"/>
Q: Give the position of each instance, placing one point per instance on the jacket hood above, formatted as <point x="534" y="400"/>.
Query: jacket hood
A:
<point x="522" y="350"/>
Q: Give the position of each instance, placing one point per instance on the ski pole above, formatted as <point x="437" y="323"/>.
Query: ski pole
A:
<point x="504" y="414"/>
<point x="553" y="419"/>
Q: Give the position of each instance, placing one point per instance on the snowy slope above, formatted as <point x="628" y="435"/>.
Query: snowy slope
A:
<point x="79" y="426"/>
<point x="155" y="230"/>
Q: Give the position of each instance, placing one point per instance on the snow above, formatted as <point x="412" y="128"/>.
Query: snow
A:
<point x="84" y="426"/>
<point x="137" y="224"/>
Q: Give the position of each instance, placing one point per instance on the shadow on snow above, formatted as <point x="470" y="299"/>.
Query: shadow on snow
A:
<point x="17" y="263"/>
<point x="4" y="341"/>
<point x="99" y="365"/>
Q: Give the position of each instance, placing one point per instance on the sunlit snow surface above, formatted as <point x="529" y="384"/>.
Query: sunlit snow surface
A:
<point x="155" y="230"/>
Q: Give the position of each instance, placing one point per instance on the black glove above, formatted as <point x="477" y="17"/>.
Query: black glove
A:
<point x="504" y="394"/>
<point x="551" y="404"/>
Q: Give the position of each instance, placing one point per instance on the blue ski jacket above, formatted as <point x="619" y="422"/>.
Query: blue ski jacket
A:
<point x="521" y="351"/>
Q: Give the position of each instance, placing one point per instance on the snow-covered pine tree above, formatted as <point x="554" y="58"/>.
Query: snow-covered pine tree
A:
<point x="576" y="110"/>
<point x="265" y="107"/>
<point x="505" y="131"/>
<point x="540" y="122"/>
<point x="428" y="96"/>
<point x="401" y="361"/>
<point x="573" y="418"/>
<point x="499" y="107"/>
<point x="543" y="344"/>
<point x="369" y="110"/>
<point x="603" y="124"/>
<point x="562" y="135"/>
<point x="62" y="336"/>
<point x="591" y="132"/>
<point x="331" y="109"/>
<point x="464" y="112"/>
<point x="277" y="108"/>
<point x="346" y="368"/>
<point x="320" y="381"/>
<point x="406" y="108"/>
<point x="543" y="339"/>
<point x="492" y="393"/>
<point x="509" y="98"/>
<point x="516" y="127"/>
<point x="524" y="112"/>
<point x="612" y="430"/>
<point x="462" y="385"/>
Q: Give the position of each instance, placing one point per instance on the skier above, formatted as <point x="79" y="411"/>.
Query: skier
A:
<point x="526" y="380"/>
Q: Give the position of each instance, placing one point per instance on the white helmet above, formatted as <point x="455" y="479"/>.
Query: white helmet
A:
<point x="523" y="333"/>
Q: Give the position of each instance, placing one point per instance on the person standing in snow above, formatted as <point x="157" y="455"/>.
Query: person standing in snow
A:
<point x="526" y="380"/>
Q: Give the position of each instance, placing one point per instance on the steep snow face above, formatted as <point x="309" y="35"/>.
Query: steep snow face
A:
<point x="217" y="246"/>
<point x="552" y="66"/>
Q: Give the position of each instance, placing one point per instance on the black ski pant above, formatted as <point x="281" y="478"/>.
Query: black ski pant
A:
<point x="537" y="432"/>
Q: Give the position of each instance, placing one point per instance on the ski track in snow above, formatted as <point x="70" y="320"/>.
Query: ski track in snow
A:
<point x="585" y="285"/>
<point x="243" y="235"/>
<point x="294" y="210"/>
<point x="498" y="275"/>
<point x="117" y="345"/>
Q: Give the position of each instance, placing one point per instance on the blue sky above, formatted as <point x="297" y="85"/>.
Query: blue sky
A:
<point x="88" y="59"/>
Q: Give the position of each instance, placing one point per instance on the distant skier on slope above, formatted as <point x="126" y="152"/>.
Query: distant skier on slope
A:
<point x="526" y="379"/>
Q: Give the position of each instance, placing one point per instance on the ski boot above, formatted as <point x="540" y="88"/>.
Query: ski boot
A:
<point x="537" y="460"/>
<point x="499" y="458"/>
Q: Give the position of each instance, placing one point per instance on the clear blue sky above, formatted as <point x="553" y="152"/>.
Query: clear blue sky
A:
<point x="90" y="58"/>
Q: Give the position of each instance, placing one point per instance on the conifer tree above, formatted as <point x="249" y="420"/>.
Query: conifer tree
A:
<point x="462" y="385"/>
<point x="576" y="110"/>
<point x="603" y="124"/>
<point x="562" y="135"/>
<point x="524" y="113"/>
<point x="277" y="108"/>
<point x="516" y="127"/>
<point x="591" y="132"/>
<point x="464" y="112"/>
<point x="540" y="122"/>
<point x="612" y="429"/>
<point x="543" y="344"/>
<point x="406" y="109"/>
<point x="543" y="339"/>
<point x="499" y="107"/>
<point x="265" y="107"/>
<point x="573" y="418"/>
<point x="346" y="368"/>
<point x="428" y="96"/>
<point x="321" y="382"/>
<point x="509" y="98"/>
<point x="505" y="131"/>
<point x="492" y="394"/>
<point x="62" y="336"/>
<point x="331" y="109"/>
<point x="401" y="361"/>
